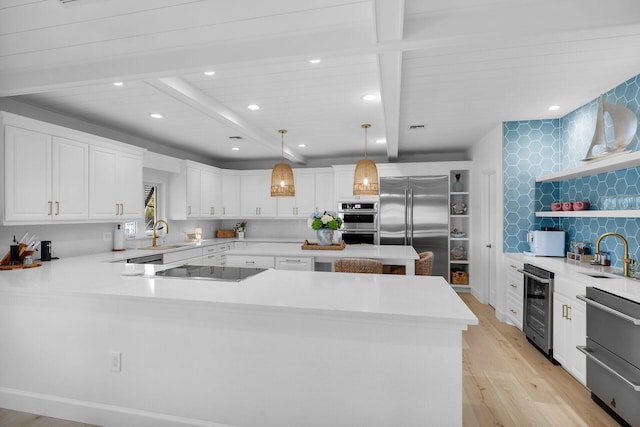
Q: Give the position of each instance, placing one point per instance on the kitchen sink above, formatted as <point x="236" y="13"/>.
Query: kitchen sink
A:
<point x="157" y="248"/>
<point x="599" y="276"/>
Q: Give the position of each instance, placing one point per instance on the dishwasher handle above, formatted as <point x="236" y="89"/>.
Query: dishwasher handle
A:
<point x="534" y="277"/>
<point x="595" y="304"/>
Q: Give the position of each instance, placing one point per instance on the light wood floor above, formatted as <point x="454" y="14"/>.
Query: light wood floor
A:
<point x="506" y="383"/>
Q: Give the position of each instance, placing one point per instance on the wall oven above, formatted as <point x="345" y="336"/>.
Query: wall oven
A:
<point x="613" y="354"/>
<point x="359" y="222"/>
<point x="537" y="322"/>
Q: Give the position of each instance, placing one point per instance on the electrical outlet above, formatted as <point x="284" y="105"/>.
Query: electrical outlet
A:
<point x="106" y="237"/>
<point x="116" y="361"/>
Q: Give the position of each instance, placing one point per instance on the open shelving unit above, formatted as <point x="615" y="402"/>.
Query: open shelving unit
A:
<point x="461" y="222"/>
<point x="607" y="164"/>
<point x="630" y="213"/>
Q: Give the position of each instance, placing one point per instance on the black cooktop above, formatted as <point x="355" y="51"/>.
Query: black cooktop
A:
<point x="207" y="272"/>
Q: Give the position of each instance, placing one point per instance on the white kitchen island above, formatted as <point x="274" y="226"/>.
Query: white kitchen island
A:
<point x="281" y="348"/>
<point x="388" y="254"/>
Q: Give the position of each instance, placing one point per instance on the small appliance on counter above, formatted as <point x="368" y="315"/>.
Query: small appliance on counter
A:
<point x="45" y="250"/>
<point x="546" y="243"/>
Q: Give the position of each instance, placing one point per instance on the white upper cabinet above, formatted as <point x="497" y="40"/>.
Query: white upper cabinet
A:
<point x="230" y="195"/>
<point x="194" y="192"/>
<point x="255" y="191"/>
<point x="324" y="192"/>
<point x="59" y="174"/>
<point x="116" y="186"/>
<point x="303" y="204"/>
<point x="45" y="178"/>
<point x="211" y="194"/>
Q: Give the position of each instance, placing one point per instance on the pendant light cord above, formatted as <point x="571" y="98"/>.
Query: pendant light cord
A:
<point x="282" y="132"/>
<point x="365" y="127"/>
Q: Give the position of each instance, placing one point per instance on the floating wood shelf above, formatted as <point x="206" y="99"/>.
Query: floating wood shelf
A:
<point x="631" y="213"/>
<point x="594" y="167"/>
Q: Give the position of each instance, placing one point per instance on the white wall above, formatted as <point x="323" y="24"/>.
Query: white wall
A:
<point x="487" y="156"/>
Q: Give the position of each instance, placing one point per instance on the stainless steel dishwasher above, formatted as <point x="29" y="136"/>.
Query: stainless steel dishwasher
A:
<point x="613" y="354"/>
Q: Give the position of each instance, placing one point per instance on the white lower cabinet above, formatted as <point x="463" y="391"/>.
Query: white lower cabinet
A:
<point x="294" y="263"/>
<point x="216" y="254"/>
<point x="186" y="256"/>
<point x="515" y="291"/>
<point x="250" y="261"/>
<point x="569" y="327"/>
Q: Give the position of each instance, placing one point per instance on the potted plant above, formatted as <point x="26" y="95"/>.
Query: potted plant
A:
<point x="325" y="224"/>
<point x="240" y="228"/>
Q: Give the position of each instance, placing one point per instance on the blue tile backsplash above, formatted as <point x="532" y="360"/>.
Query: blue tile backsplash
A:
<point x="538" y="147"/>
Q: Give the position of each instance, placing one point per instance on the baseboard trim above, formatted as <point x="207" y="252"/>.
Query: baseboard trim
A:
<point x="91" y="412"/>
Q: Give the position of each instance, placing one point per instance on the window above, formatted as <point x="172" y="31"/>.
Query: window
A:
<point x="150" y="203"/>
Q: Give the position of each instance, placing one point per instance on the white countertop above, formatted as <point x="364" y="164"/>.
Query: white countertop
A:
<point x="616" y="283"/>
<point x="418" y="299"/>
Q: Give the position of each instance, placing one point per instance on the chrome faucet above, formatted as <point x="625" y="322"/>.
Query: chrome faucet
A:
<point x="155" y="230"/>
<point x="625" y="257"/>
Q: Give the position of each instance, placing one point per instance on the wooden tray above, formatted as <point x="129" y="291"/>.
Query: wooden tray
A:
<point x="314" y="246"/>
<point x="220" y="234"/>
<point x="20" y="266"/>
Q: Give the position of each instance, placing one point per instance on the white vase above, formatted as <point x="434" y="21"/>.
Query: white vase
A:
<point x="240" y="235"/>
<point x="325" y="236"/>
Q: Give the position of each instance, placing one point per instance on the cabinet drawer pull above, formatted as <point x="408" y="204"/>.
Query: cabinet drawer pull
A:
<point x="249" y="262"/>
<point x="513" y="311"/>
<point x="513" y="286"/>
<point x="623" y="316"/>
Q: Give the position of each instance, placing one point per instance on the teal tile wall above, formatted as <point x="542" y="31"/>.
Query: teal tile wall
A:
<point x="571" y="139"/>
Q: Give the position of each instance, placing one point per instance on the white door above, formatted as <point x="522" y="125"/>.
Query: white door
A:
<point x="489" y="257"/>
<point x="27" y="175"/>
<point x="70" y="179"/>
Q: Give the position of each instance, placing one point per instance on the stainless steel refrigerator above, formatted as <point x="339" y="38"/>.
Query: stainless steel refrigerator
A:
<point x="415" y="211"/>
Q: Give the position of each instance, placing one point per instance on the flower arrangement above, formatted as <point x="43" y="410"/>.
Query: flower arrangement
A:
<point x="241" y="227"/>
<point x="327" y="219"/>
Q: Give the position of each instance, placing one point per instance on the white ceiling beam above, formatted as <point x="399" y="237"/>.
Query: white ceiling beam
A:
<point x="389" y="20"/>
<point x="189" y="95"/>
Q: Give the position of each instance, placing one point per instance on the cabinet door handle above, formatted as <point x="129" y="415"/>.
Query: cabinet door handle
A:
<point x="121" y="208"/>
<point x="117" y="208"/>
<point x="224" y="211"/>
<point x="564" y="312"/>
<point x="188" y="210"/>
<point x="57" y="208"/>
<point x="50" y="207"/>
<point x="568" y="312"/>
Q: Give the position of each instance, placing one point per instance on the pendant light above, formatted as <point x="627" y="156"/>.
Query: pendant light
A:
<point x="282" y="183"/>
<point x="365" y="177"/>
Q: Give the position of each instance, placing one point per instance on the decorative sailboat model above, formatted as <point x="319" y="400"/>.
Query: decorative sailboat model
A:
<point x="625" y="125"/>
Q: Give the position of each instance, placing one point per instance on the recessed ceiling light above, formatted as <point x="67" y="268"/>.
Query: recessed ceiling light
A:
<point x="156" y="115"/>
<point x="118" y="83"/>
<point x="381" y="141"/>
<point x="315" y="61"/>
<point x="253" y="107"/>
<point x="302" y="145"/>
<point x="235" y="148"/>
<point x="370" y="97"/>
<point x="554" y="108"/>
<point x="209" y="73"/>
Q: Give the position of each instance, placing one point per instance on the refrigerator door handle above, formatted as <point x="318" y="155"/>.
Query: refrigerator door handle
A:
<point x="406" y="213"/>
<point x="411" y="219"/>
